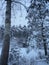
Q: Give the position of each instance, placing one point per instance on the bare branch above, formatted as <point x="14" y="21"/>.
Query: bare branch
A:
<point x="21" y="4"/>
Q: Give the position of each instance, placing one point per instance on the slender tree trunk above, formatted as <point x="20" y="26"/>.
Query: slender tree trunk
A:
<point x="6" y="43"/>
<point x="44" y="40"/>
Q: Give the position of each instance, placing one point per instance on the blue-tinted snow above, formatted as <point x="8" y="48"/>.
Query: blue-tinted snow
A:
<point x="32" y="54"/>
<point x="47" y="5"/>
<point x="46" y="21"/>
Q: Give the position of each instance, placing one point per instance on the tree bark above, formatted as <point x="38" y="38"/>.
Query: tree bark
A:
<point x="44" y="40"/>
<point x="6" y="43"/>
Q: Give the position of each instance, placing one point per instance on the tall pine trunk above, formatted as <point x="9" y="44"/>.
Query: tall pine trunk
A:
<point x="6" y="43"/>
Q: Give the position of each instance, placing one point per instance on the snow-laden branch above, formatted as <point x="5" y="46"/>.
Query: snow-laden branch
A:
<point x="21" y="4"/>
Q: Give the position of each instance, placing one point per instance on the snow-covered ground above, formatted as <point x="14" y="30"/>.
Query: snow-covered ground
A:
<point x="32" y="54"/>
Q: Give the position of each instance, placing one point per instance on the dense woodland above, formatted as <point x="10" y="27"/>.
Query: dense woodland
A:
<point x="26" y="45"/>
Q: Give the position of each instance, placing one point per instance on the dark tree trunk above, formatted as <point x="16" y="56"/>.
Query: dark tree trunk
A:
<point x="44" y="39"/>
<point x="45" y="48"/>
<point x="6" y="43"/>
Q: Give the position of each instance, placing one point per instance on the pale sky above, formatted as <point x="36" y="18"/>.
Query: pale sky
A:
<point x="19" y="19"/>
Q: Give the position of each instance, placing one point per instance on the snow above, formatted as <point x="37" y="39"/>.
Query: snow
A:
<point x="35" y="32"/>
<point x="32" y="54"/>
<point x="23" y="52"/>
<point x="46" y="21"/>
<point x="47" y="5"/>
<point x="37" y="2"/>
<point x="42" y="63"/>
<point x="33" y="43"/>
<point x="47" y="17"/>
